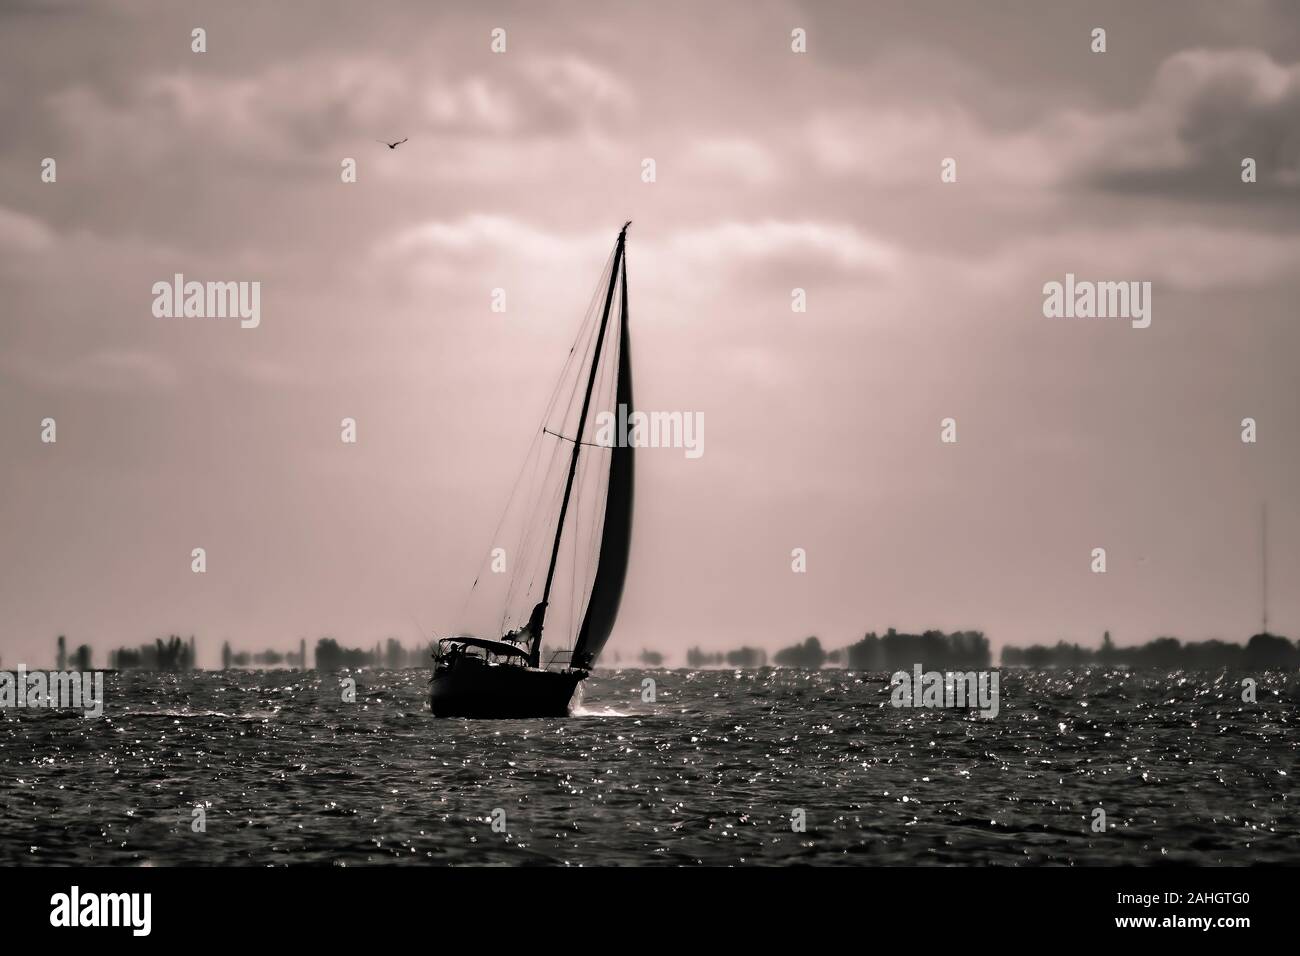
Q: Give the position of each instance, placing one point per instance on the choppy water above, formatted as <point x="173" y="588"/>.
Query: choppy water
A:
<point x="709" y="773"/>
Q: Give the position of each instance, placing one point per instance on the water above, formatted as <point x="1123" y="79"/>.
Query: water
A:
<point x="709" y="773"/>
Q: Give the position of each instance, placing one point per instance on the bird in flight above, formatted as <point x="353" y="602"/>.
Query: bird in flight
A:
<point x="392" y="145"/>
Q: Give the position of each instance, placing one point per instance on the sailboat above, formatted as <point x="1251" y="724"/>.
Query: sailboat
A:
<point x="483" y="677"/>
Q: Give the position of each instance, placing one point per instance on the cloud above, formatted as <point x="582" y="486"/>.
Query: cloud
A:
<point x="891" y="146"/>
<point x="1204" y="112"/>
<point x="441" y="253"/>
<point x="1174" y="257"/>
<point x="734" y="158"/>
<point x="484" y="239"/>
<point x="576" y="88"/>
<point x="109" y="369"/>
<point x="292" y="112"/>
<point x="838" y="245"/>
<point x="24" y="233"/>
<point x="476" y="234"/>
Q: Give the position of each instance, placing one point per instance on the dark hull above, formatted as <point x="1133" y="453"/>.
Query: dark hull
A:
<point x="471" y="688"/>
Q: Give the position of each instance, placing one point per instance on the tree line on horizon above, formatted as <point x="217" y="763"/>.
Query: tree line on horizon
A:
<point x="934" y="649"/>
<point x="174" y="654"/>
<point x="742" y="657"/>
<point x="1262" y="650"/>
<point x="960" y="650"/>
<point x="969" y="650"/>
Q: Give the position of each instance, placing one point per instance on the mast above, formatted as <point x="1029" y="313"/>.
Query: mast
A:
<point x="539" y="613"/>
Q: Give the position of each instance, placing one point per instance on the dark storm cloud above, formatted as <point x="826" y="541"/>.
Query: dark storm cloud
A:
<point x="1207" y="110"/>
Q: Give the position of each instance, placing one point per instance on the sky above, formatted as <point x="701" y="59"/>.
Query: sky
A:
<point x="774" y="170"/>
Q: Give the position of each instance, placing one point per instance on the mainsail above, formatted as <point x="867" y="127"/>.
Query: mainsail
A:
<point x="616" y="536"/>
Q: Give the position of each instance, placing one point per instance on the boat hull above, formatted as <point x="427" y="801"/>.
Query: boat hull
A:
<point x="472" y="688"/>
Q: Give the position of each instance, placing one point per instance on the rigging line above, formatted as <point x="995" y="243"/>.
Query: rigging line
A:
<point x="588" y="325"/>
<point x="497" y="531"/>
<point x="535" y="563"/>
<point x="512" y="585"/>
<point x="587" y="330"/>
<point x="577" y="378"/>
<point x="573" y="395"/>
<point x="528" y="552"/>
<point x="521" y="539"/>
<point x="573" y="350"/>
<point x="588" y="348"/>
<point x="419" y="629"/>
<point x="521" y="585"/>
<point x="573" y="363"/>
<point x="589" y="444"/>
<point x="530" y="527"/>
<point x="583" y="366"/>
<point x="550" y="479"/>
<point x="555" y="506"/>
<point x="532" y="483"/>
<point x="540" y="487"/>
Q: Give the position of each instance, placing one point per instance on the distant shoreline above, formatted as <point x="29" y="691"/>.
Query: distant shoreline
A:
<point x="892" y="651"/>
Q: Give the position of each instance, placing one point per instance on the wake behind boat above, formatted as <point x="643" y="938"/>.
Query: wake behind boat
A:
<point x="484" y="677"/>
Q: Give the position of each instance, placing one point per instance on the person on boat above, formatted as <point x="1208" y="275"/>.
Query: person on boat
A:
<point x="524" y="635"/>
